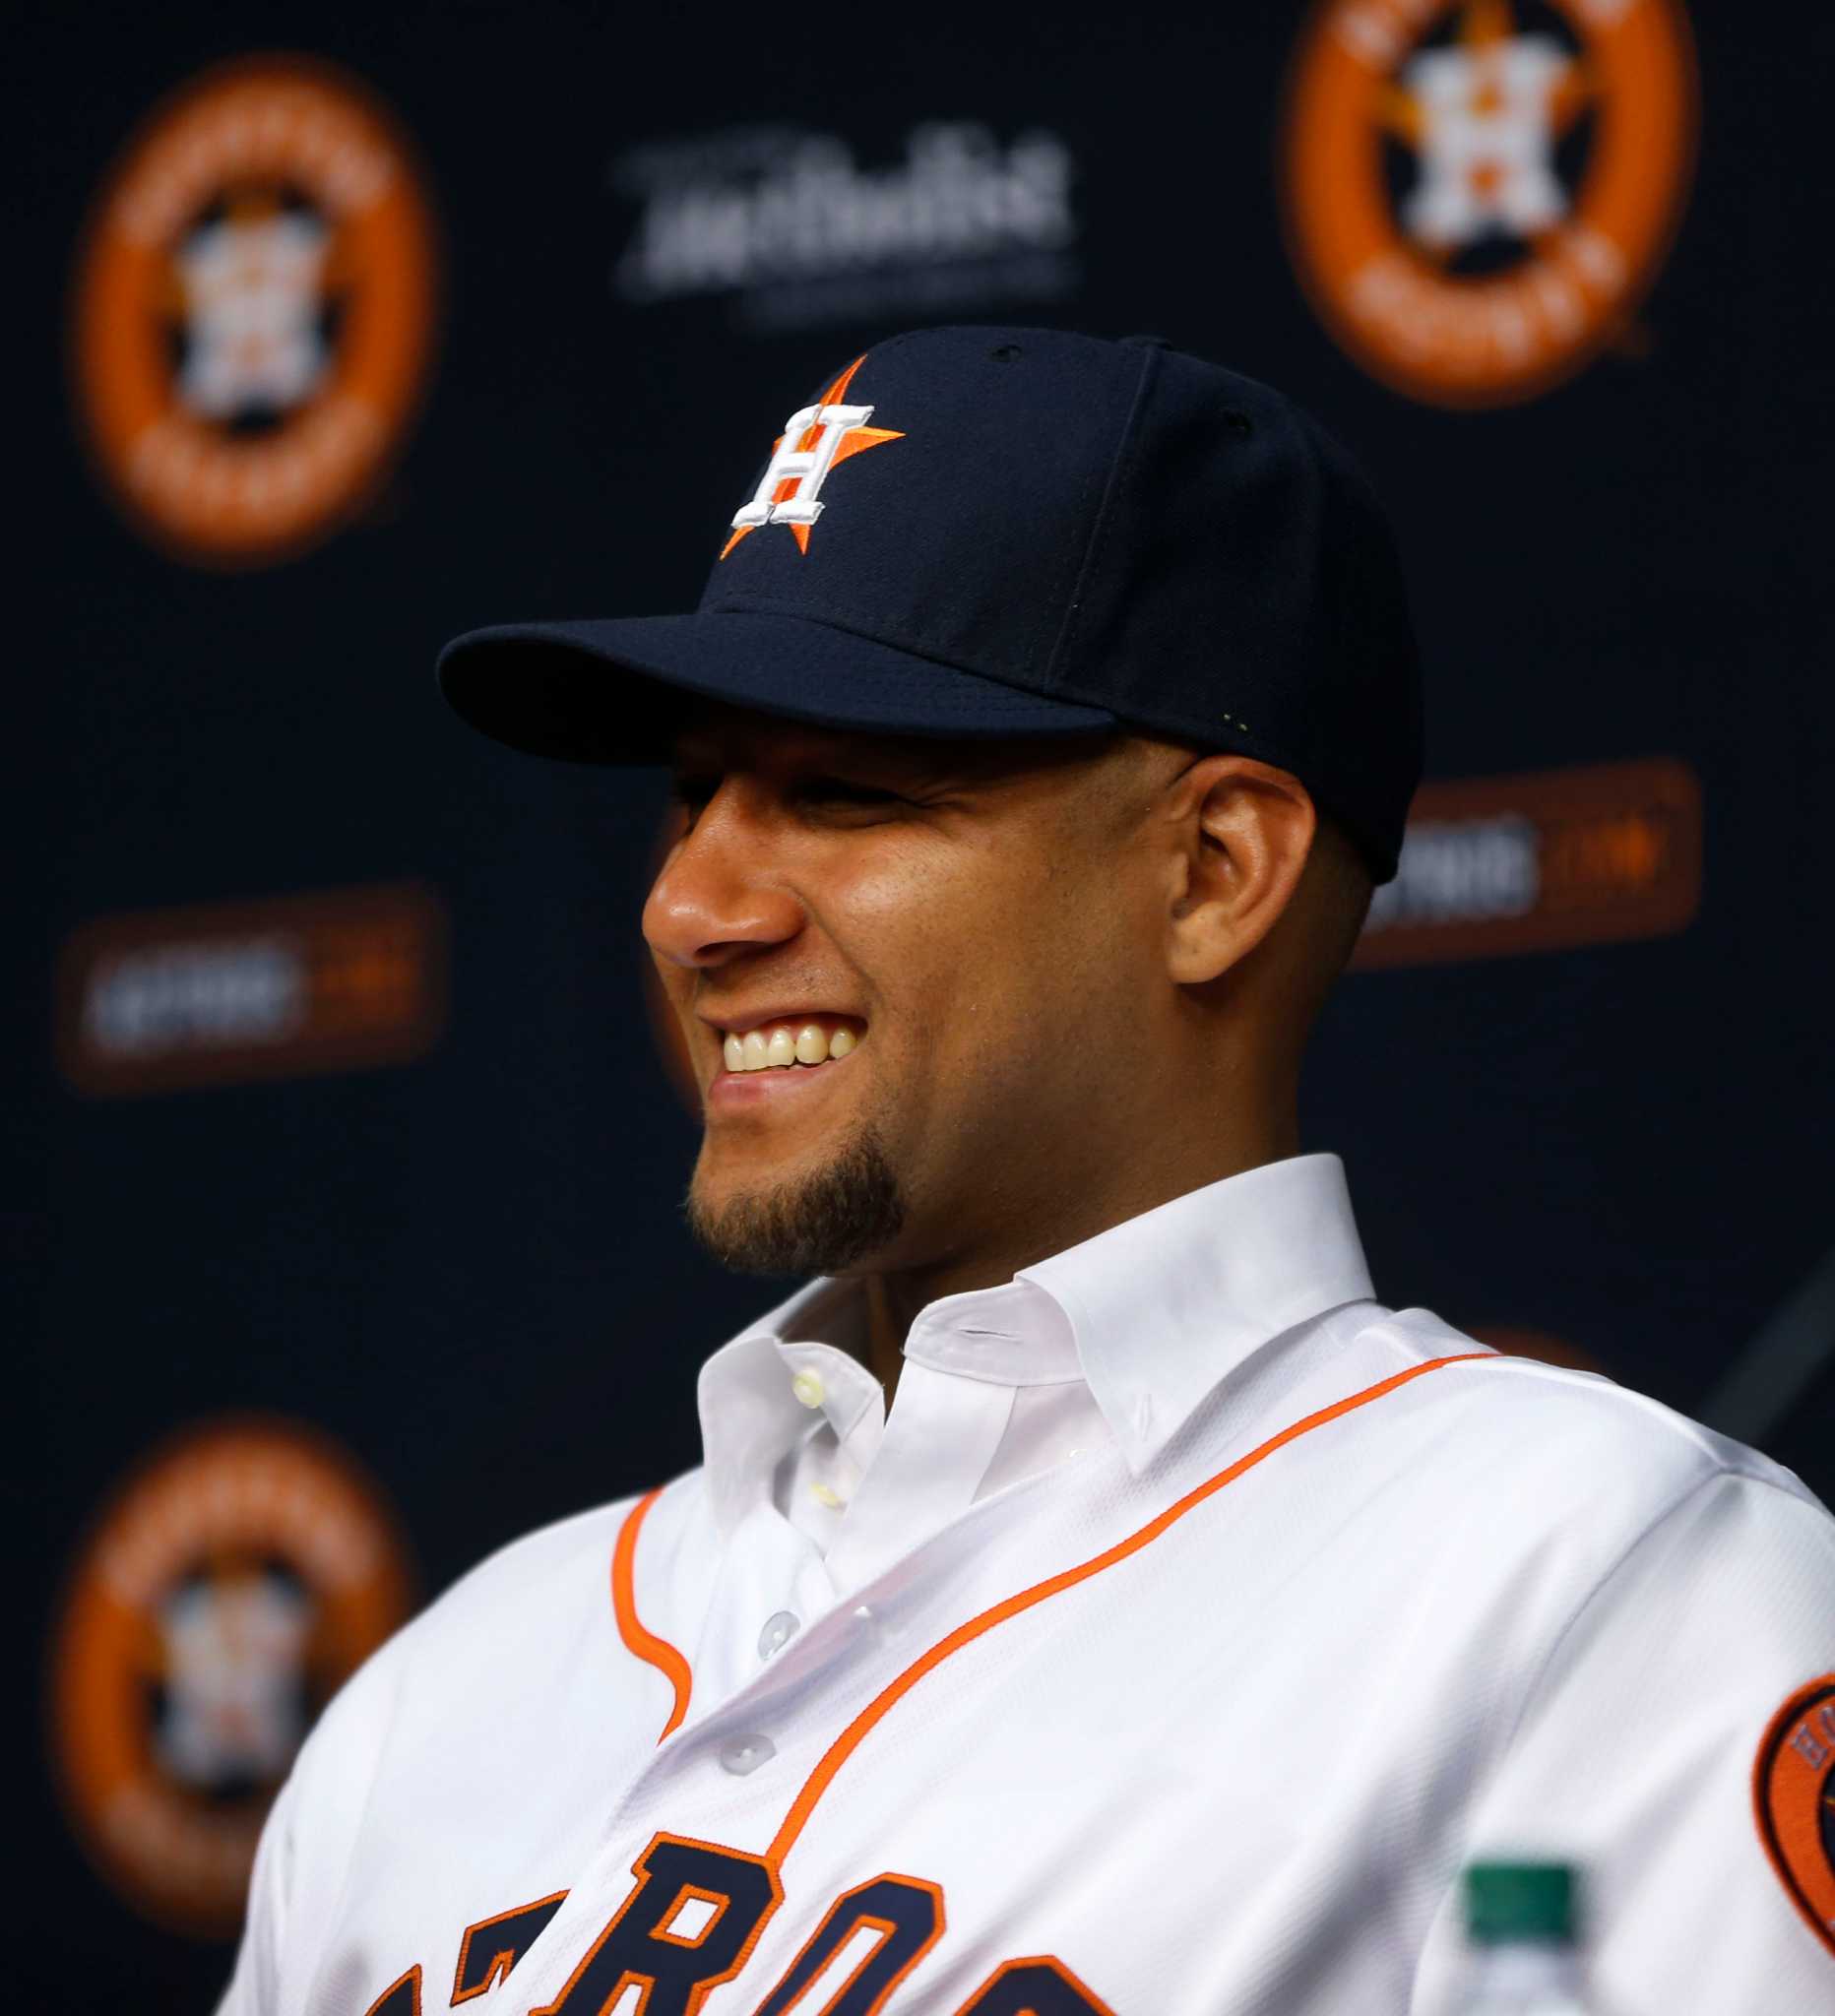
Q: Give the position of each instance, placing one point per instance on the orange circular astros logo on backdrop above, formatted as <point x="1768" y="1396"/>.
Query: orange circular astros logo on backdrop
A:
<point x="1477" y="193"/>
<point x="237" y="1578"/>
<point x="253" y="311"/>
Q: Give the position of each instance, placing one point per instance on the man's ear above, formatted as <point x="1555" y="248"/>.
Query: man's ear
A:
<point x="1244" y="831"/>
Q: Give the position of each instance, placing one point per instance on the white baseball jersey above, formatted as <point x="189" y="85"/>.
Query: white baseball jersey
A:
<point x="1187" y="1625"/>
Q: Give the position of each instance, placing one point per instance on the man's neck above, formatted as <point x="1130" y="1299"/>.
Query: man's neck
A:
<point x="888" y="1324"/>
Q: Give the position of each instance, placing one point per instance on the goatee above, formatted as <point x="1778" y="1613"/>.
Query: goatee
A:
<point x="822" y="1223"/>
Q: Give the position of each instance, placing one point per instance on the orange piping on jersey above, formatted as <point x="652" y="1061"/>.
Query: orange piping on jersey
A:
<point x="851" y="1737"/>
<point x="645" y="1645"/>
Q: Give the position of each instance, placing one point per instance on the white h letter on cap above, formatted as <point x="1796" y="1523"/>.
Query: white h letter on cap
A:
<point x="806" y="467"/>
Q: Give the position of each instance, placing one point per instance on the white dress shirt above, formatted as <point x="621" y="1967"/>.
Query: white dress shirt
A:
<point x="1187" y="1625"/>
<point x="1107" y="1345"/>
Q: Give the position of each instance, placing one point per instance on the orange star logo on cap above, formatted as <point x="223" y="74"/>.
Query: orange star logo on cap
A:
<point x="813" y="443"/>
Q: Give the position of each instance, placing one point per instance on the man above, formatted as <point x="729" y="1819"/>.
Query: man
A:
<point x="1190" y="1620"/>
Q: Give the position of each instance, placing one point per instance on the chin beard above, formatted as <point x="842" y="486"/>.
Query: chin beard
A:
<point x="822" y="1223"/>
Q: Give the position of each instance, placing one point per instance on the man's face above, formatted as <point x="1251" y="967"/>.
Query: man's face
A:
<point x="978" y="922"/>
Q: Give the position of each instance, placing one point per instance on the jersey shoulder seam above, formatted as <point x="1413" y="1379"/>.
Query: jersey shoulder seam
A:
<point x="1719" y="1473"/>
<point x="1677" y="1424"/>
<point x="1723" y="1456"/>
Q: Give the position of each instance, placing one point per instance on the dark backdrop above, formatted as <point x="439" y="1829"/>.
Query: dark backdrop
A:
<point x="461" y="1259"/>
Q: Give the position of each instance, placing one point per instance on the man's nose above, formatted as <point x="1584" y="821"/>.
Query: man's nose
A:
<point x="715" y="899"/>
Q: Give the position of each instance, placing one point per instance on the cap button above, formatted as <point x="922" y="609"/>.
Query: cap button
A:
<point x="1146" y="343"/>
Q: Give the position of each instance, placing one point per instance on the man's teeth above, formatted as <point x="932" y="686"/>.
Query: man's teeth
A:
<point x="784" y="1044"/>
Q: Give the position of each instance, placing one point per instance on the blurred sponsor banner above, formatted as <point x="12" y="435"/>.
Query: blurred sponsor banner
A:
<point x="1479" y="195"/>
<point x="233" y="1585"/>
<point x="1550" y="858"/>
<point x="165" y="999"/>
<point x="253" y="311"/>
<point x="786" y="225"/>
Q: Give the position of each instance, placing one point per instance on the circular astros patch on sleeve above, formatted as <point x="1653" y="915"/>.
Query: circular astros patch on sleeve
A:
<point x="1793" y="1793"/>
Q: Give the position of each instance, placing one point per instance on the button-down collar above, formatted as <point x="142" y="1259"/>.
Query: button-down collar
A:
<point x="751" y="1416"/>
<point x="1163" y="1307"/>
<point x="1151" y="1314"/>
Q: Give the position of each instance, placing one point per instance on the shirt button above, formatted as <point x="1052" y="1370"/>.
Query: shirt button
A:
<point x="778" y="1632"/>
<point x="744" y="1754"/>
<point x="808" y="1388"/>
<point x="824" y="1496"/>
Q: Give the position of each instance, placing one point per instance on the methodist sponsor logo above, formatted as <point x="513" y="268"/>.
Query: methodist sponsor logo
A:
<point x="236" y="1579"/>
<point x="793" y="231"/>
<point x="253" y="311"/>
<point x="166" y="999"/>
<point x="1478" y="194"/>
<point x="1533" y="864"/>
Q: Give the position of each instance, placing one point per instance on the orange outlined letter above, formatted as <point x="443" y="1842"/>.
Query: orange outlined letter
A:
<point x="906" y="1913"/>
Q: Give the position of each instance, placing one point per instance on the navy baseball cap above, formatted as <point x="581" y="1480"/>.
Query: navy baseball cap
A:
<point x="980" y="531"/>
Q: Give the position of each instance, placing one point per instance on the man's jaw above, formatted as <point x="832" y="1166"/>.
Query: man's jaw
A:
<point x="813" y="1221"/>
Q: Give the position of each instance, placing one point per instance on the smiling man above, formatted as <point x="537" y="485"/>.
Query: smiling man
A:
<point x="1092" y="1597"/>
<point x="959" y="945"/>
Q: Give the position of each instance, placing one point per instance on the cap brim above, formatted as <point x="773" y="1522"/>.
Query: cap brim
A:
<point x="609" y="691"/>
